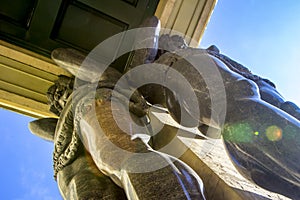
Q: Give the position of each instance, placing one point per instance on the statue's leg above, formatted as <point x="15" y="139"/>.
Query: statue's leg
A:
<point x="262" y="140"/>
<point x="82" y="180"/>
<point x="142" y="172"/>
<point x="264" y="143"/>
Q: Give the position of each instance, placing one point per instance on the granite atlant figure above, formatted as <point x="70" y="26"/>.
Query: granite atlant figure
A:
<point x="257" y="125"/>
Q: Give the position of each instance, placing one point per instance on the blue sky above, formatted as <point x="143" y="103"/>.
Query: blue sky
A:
<point x="261" y="34"/>
<point x="26" y="161"/>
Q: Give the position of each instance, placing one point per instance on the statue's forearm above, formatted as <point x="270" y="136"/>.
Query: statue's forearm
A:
<point x="82" y="180"/>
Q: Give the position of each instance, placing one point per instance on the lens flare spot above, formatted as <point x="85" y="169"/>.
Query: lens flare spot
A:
<point x="239" y="132"/>
<point x="274" y="133"/>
